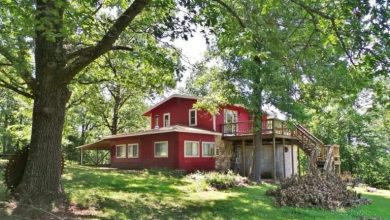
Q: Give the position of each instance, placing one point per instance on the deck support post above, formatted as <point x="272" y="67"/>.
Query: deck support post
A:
<point x="299" y="166"/>
<point x="243" y="157"/>
<point x="284" y="159"/>
<point x="292" y="158"/>
<point x="81" y="156"/>
<point x="97" y="157"/>
<point x="274" y="157"/>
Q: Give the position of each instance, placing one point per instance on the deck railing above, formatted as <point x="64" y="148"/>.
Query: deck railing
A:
<point x="269" y="126"/>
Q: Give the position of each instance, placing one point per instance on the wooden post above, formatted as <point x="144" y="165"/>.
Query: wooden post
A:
<point x="273" y="126"/>
<point x="274" y="160"/>
<point x="97" y="157"/>
<point x="284" y="160"/>
<point x="299" y="166"/>
<point x="243" y="157"/>
<point x="292" y="158"/>
<point x="81" y="156"/>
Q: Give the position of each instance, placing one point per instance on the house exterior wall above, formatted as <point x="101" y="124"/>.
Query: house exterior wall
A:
<point x="242" y="115"/>
<point x="195" y="163"/>
<point x="179" y="114"/>
<point x="290" y="160"/>
<point x="178" y="108"/>
<point x="175" y="159"/>
<point x="146" y="157"/>
<point x="294" y="163"/>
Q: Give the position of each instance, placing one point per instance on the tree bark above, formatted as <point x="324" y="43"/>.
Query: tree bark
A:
<point x="40" y="184"/>
<point x="41" y="181"/>
<point x="258" y="142"/>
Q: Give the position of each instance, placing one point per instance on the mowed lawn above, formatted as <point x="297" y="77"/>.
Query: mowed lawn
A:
<point x="162" y="194"/>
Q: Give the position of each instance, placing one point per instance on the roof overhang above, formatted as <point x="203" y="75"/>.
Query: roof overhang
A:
<point x="103" y="144"/>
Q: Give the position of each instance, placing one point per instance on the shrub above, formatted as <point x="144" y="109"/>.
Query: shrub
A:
<point x="217" y="180"/>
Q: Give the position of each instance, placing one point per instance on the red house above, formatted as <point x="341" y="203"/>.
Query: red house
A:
<point x="182" y="137"/>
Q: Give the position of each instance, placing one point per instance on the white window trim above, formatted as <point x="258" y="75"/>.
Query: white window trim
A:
<point x="205" y="142"/>
<point x="128" y="147"/>
<point x="169" y="119"/>
<point x="196" y="117"/>
<point x="185" y="142"/>
<point x="214" y="123"/>
<point x="116" y="150"/>
<point x="157" y="142"/>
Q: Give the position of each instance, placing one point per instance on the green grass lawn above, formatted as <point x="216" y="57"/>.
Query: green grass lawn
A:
<point x="112" y="194"/>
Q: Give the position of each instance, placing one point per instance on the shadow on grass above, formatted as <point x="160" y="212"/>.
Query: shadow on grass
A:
<point x="158" y="194"/>
<point x="157" y="183"/>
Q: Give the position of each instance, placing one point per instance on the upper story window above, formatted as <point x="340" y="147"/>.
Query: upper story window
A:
<point x="156" y="118"/>
<point x="121" y="151"/>
<point x="167" y="119"/>
<point x="191" y="149"/>
<point x="192" y="117"/>
<point x="132" y="150"/>
<point x="161" y="149"/>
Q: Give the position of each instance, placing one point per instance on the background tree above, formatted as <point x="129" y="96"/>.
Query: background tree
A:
<point x="273" y="51"/>
<point x="15" y="121"/>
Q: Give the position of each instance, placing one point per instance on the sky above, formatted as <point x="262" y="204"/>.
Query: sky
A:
<point x="193" y="51"/>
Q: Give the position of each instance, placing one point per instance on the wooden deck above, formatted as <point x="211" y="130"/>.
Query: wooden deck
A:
<point x="276" y="131"/>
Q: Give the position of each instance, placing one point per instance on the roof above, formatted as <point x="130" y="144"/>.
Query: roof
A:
<point x="104" y="143"/>
<point x="179" y="96"/>
<point x="169" y="98"/>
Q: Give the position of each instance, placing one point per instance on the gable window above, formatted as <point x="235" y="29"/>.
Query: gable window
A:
<point x="132" y="150"/>
<point x="161" y="149"/>
<point x="208" y="149"/>
<point x="167" y="119"/>
<point x="192" y="117"/>
<point x="191" y="149"/>
<point x="156" y="121"/>
<point x="121" y="151"/>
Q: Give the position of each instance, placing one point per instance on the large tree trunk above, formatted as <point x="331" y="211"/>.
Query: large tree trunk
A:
<point x="258" y="142"/>
<point x="40" y="184"/>
<point x="41" y="181"/>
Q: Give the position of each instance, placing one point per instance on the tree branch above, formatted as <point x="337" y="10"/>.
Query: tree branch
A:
<point x="18" y="65"/>
<point x="232" y="12"/>
<point x="312" y="10"/>
<point x="333" y="23"/>
<point x="5" y="64"/>
<point x="106" y="43"/>
<point x="7" y="85"/>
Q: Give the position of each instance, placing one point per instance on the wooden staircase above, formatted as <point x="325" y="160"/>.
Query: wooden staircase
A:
<point x="324" y="157"/>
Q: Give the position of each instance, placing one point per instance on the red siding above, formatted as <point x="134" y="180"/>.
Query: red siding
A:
<point x="175" y="159"/>
<point x="179" y="114"/>
<point x="242" y="116"/>
<point x="195" y="163"/>
<point x="146" y="157"/>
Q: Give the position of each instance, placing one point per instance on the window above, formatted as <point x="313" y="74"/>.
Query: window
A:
<point x="208" y="149"/>
<point x="156" y="121"/>
<point x="167" y="119"/>
<point x="132" y="150"/>
<point x="191" y="149"/>
<point x="161" y="149"/>
<point x="192" y="117"/>
<point x="121" y="151"/>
